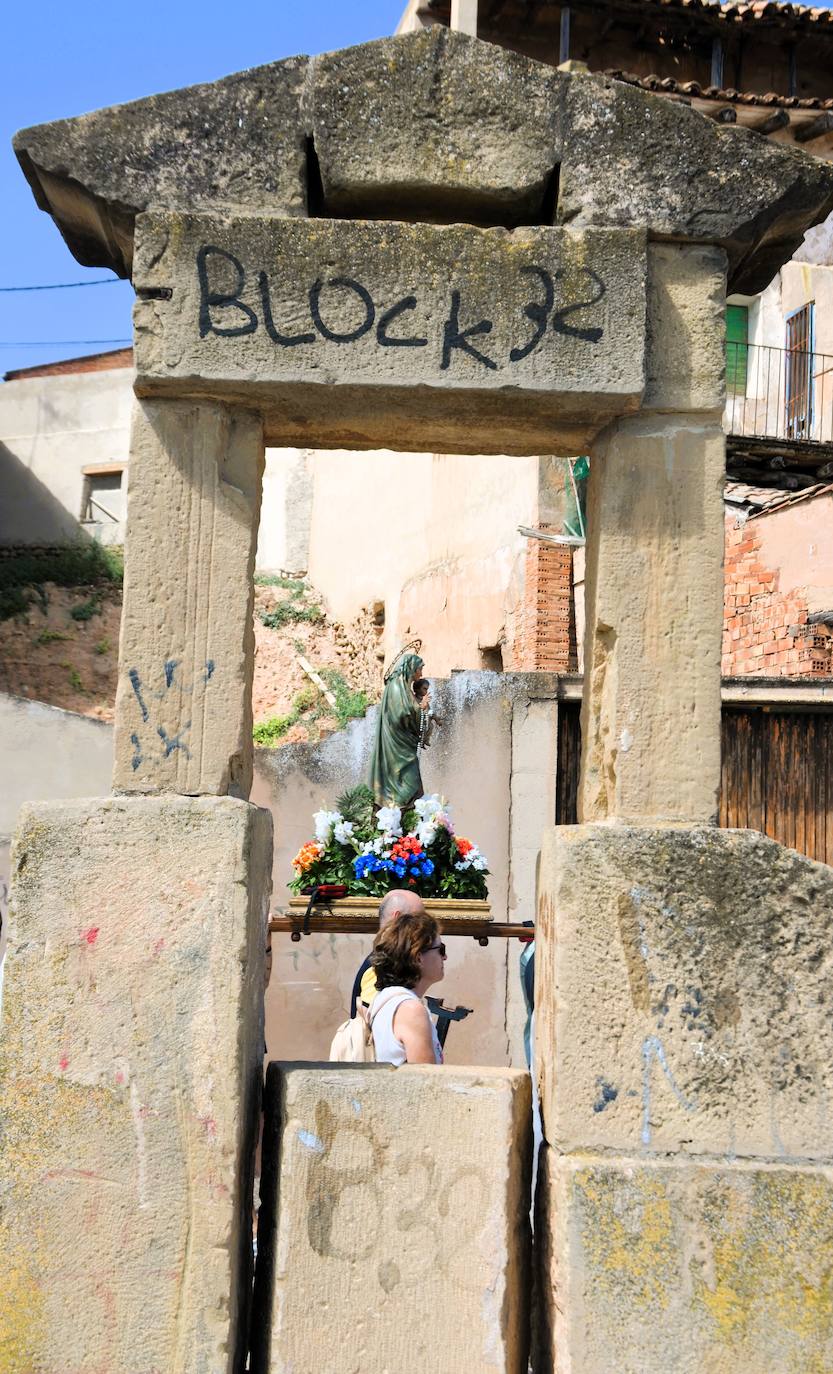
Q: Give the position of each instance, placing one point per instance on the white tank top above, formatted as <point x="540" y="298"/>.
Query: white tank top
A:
<point x="383" y="1008"/>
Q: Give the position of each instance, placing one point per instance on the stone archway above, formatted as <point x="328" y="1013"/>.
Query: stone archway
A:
<point x="427" y="239"/>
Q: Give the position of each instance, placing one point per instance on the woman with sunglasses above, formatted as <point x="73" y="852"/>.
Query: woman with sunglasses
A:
<point x="408" y="956"/>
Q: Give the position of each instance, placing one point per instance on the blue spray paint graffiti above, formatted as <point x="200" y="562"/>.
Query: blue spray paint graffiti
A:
<point x="652" y="1049"/>
<point x="171" y="734"/>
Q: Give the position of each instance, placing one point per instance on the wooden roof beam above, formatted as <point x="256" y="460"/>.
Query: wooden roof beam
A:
<point x="770" y="123"/>
<point x="814" y="128"/>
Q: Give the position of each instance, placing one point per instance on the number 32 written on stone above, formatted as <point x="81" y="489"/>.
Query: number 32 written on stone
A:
<point x="390" y="324"/>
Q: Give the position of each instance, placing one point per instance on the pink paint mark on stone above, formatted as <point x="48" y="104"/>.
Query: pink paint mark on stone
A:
<point x="119" y="1076"/>
<point x="159" y="945"/>
<point x="63" y="1063"/>
<point x="91" y="935"/>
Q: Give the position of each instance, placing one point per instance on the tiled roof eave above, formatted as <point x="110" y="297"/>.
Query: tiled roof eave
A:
<point x="667" y="85"/>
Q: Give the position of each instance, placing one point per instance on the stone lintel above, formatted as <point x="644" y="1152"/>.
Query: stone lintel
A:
<point x="682" y="994"/>
<point x="356" y="334"/>
<point x="186" y="653"/>
<point x="130" y="1069"/>
<point x="670" y="1265"/>
<point x="403" y="1205"/>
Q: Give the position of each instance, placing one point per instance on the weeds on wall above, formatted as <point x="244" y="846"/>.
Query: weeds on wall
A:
<point x="311" y="707"/>
<point x="295" y="609"/>
<point x="24" y="573"/>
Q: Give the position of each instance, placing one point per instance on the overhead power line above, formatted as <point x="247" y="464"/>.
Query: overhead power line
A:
<point x="63" y="285"/>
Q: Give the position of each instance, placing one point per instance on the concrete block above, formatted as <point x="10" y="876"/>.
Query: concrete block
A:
<point x="352" y="334"/>
<point x="130" y="1054"/>
<point x="662" y="1265"/>
<point x="402" y="1236"/>
<point x="438" y="126"/>
<point x="653" y="622"/>
<point x="682" y="1000"/>
<point x="186" y="653"/>
<point x="686" y="328"/>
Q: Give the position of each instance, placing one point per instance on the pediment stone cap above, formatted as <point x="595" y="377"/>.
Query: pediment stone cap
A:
<point x="432" y="126"/>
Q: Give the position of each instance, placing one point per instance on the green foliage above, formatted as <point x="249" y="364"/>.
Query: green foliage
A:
<point x="288" y="584"/>
<point x="356" y="805"/>
<point x="13" y="601"/>
<point x="103" y="646"/>
<point x="351" y="703"/>
<point x="23" y="574"/>
<point x="290" y="613"/>
<point x="75" y="680"/>
<point x="50" y="637"/>
<point x="85" y="610"/>
<point x="269" y="733"/>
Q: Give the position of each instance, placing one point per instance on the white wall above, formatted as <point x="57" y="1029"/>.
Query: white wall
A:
<point x="50" y="428"/>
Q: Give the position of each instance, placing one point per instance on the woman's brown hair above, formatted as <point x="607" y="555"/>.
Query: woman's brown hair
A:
<point x="396" y="949"/>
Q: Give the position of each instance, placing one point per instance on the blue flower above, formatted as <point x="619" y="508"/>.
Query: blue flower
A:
<point x="427" y="868"/>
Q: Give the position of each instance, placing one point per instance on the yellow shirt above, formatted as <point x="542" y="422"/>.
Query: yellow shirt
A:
<point x="367" y="987"/>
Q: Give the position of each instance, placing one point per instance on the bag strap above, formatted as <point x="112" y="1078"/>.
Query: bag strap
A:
<point x="381" y="1000"/>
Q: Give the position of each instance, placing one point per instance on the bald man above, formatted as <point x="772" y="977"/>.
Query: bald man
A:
<point x="398" y="902"/>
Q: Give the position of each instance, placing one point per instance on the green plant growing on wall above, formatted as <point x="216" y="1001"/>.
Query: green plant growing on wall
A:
<point x="50" y="637"/>
<point x="268" y="733"/>
<point x="85" y="610"/>
<point x="288" y="584"/>
<point x="351" y="702"/>
<point x="103" y="646"/>
<point x="295" y="610"/>
<point x="23" y="574"/>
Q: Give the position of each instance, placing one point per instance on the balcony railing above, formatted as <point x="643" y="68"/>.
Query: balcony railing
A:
<point x="779" y="393"/>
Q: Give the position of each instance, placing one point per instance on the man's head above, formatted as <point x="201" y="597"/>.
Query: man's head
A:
<point x="399" y="902"/>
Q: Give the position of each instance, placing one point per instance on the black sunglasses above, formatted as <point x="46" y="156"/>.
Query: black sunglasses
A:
<point x="440" y="947"/>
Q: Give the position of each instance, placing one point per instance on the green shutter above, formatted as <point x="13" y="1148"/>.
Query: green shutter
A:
<point x="737" y="336"/>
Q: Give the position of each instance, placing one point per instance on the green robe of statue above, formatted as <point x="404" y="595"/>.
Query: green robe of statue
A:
<point x="394" y="769"/>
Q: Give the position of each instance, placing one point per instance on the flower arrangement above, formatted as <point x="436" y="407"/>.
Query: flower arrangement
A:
<point x="371" y="851"/>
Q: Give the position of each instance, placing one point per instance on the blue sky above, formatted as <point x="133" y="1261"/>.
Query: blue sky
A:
<point x="65" y="58"/>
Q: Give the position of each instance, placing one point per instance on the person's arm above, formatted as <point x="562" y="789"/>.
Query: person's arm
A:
<point x="412" y="1027"/>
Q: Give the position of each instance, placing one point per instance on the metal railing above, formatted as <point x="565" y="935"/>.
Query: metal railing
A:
<point x="779" y="393"/>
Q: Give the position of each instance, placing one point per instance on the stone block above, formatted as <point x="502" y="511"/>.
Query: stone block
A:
<point x="402" y="1234"/>
<point x="130" y="1056"/>
<point x="686" y="360"/>
<point x="653" y="622"/>
<point x="665" y="1265"/>
<point x="682" y="1001"/>
<point x="435" y="121"/>
<point x="352" y="334"/>
<point x="186" y="653"/>
<point x="632" y="158"/>
<point x="234" y="142"/>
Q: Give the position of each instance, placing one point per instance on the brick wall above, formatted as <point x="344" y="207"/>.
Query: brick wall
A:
<point x="545" y="636"/>
<point x="765" y="631"/>
<point x="91" y="362"/>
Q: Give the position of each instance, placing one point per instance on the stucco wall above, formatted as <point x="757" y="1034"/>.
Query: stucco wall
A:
<point x="433" y="536"/>
<point x="50" y="428"/>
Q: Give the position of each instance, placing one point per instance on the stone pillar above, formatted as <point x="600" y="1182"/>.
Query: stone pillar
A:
<point x="684" y="1053"/>
<point x="401" y="1237"/>
<point x="183" y="704"/>
<point x="654" y="571"/>
<point x="130" y="1069"/>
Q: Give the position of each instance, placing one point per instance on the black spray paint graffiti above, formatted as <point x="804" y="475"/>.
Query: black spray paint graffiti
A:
<point x="152" y="702"/>
<point x="456" y="337"/>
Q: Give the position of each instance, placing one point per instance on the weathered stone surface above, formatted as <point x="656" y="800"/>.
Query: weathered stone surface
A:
<point x="436" y="118"/>
<point x="402" y="1231"/>
<point x="238" y="141"/>
<point x="634" y="158"/>
<point x="653" y="608"/>
<point x="434" y="126"/>
<point x="130" y="1056"/>
<point x="349" y="333"/>
<point x="683" y="993"/>
<point x="186" y="654"/>
<point x="686" y="359"/>
<point x="674" y="1266"/>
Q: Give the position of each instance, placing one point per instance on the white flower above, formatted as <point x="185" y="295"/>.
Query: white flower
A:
<point x="324" y="822"/>
<point x="426" y="807"/>
<point x="479" y="862"/>
<point x="389" y="820"/>
<point x="461" y="865"/>
<point x="426" y="833"/>
<point x="343" y="831"/>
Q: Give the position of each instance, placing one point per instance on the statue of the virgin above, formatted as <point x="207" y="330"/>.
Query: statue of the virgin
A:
<point x="395" y="778"/>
